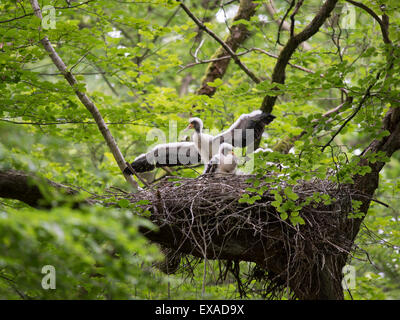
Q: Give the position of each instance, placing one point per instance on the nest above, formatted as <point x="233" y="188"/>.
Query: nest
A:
<point x="203" y="217"/>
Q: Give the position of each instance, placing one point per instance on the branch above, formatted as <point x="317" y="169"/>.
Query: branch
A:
<point x="271" y="10"/>
<point x="382" y="24"/>
<point x="312" y="28"/>
<point x="287" y="143"/>
<point x="360" y="104"/>
<point x="30" y="189"/>
<point x="226" y="47"/>
<point x="293" y="15"/>
<point x="86" y="101"/>
<point x="65" y="122"/>
<point x="241" y="54"/>
<point x="238" y="34"/>
<point x="368" y="183"/>
<point x="32" y="13"/>
<point x="283" y="21"/>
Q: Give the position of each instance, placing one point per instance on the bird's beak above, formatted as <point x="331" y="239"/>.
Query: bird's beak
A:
<point x="232" y="153"/>
<point x="190" y="126"/>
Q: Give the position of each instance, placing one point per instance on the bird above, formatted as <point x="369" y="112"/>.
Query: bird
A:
<point x="202" y="141"/>
<point x="223" y="162"/>
<point x="247" y="129"/>
<point x="166" y="155"/>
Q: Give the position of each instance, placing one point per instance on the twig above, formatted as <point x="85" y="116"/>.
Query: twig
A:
<point x="270" y="7"/>
<point x="283" y="20"/>
<point x="32" y="13"/>
<point x="241" y="54"/>
<point x="137" y="175"/>
<point x="384" y="27"/>
<point x="79" y="61"/>
<point x="360" y="104"/>
<point x="220" y="41"/>
<point x="76" y="73"/>
<point x="278" y="75"/>
<point x="65" y="122"/>
<point x="197" y="50"/>
<point x="292" y="16"/>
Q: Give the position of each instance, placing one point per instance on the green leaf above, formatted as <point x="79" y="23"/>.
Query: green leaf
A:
<point x="123" y="203"/>
<point x="216" y="83"/>
<point x="290" y="194"/>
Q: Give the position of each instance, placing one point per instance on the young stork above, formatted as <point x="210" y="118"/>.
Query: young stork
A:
<point x="243" y="133"/>
<point x="247" y="129"/>
<point x="223" y="162"/>
<point x="202" y="141"/>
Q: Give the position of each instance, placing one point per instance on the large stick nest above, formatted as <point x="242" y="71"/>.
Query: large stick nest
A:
<point x="203" y="217"/>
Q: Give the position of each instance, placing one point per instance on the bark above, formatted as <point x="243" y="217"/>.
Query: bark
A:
<point x="30" y="189"/>
<point x="368" y="183"/>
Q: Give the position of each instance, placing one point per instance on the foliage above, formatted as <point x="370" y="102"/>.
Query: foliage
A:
<point x="129" y="56"/>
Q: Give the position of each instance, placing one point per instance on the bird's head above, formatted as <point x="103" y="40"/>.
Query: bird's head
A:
<point x="196" y="124"/>
<point x="226" y="149"/>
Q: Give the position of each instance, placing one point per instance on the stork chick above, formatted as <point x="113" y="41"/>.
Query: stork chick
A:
<point x="223" y="162"/>
<point x="202" y="141"/>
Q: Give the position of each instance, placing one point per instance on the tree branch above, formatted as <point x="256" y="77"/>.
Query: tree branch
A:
<point x="241" y="54"/>
<point x="360" y="104"/>
<point x="291" y="5"/>
<point x="32" y="13"/>
<point x="293" y="15"/>
<point x="29" y="188"/>
<point x="64" y="122"/>
<point x="278" y="75"/>
<point x="382" y="24"/>
<point x="270" y="7"/>
<point x="87" y="102"/>
<point x="238" y="34"/>
<point x="247" y="6"/>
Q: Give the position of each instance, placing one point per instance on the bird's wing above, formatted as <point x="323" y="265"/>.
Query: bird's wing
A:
<point x="245" y="130"/>
<point x="166" y="155"/>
